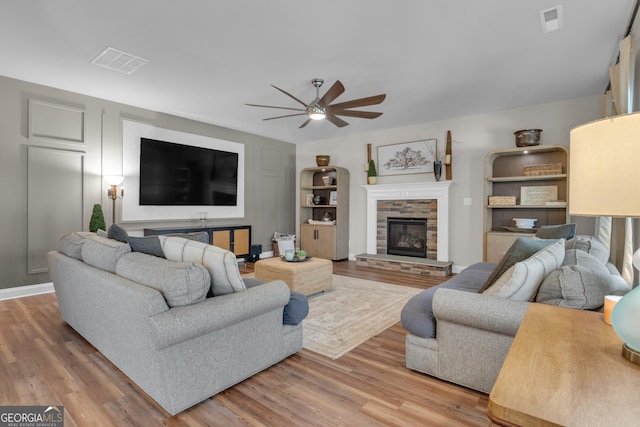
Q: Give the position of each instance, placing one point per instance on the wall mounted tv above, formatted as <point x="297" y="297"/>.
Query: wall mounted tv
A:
<point x="184" y="175"/>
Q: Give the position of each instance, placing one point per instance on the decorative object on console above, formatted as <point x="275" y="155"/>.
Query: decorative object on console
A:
<point x="112" y="192"/>
<point x="203" y="219"/>
<point x="527" y="137"/>
<point x="372" y="174"/>
<point x="598" y="190"/>
<point x="322" y="160"/>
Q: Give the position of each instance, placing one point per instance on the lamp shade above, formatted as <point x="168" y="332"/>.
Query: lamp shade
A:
<point x="605" y="167"/>
<point x="114" y="179"/>
<point x="605" y="181"/>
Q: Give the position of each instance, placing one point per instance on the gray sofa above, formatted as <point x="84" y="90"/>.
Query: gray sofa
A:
<point x="460" y="331"/>
<point x="175" y="343"/>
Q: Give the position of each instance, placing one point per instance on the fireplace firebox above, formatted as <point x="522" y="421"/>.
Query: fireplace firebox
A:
<point x="407" y="237"/>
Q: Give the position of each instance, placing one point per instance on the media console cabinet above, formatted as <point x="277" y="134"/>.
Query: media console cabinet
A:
<point x="237" y="239"/>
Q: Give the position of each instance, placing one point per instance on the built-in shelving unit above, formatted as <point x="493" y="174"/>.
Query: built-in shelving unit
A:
<point x="504" y="176"/>
<point x="319" y="238"/>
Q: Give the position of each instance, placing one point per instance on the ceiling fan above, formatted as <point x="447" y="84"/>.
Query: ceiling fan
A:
<point x="321" y="108"/>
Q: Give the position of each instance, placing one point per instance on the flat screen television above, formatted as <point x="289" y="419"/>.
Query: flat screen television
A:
<point x="184" y="175"/>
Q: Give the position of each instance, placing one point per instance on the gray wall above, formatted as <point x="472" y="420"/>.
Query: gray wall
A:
<point x="51" y="170"/>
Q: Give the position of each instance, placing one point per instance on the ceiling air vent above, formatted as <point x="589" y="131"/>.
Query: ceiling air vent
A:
<point x="551" y="19"/>
<point x="119" y="61"/>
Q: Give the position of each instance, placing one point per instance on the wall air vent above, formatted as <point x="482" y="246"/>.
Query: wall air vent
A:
<point x="119" y="61"/>
<point x="551" y="19"/>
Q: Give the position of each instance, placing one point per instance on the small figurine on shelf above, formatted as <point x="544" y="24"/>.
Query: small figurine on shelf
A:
<point x="372" y="175"/>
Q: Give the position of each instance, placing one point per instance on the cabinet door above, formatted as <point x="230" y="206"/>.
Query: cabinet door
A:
<point x="241" y="241"/>
<point x="307" y="239"/>
<point x="222" y="239"/>
<point x="326" y="242"/>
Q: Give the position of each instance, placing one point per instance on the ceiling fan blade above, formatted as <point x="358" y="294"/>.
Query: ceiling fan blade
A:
<point x="273" y="106"/>
<point x="351" y="113"/>
<point x="306" y="122"/>
<point x="289" y="115"/>
<point x="288" y="94"/>
<point x="361" y="102"/>
<point x="336" y="121"/>
<point x="334" y="91"/>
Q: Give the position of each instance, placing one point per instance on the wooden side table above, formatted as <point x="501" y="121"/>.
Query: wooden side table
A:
<point x="565" y="368"/>
<point x="309" y="277"/>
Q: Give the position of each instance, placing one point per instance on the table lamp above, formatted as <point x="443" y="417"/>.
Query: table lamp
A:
<point x="605" y="181"/>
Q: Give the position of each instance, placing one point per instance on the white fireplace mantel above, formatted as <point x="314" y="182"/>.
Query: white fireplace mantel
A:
<point x="410" y="191"/>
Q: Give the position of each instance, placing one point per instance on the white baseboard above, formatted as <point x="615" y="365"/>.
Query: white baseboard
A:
<point x="26" y="291"/>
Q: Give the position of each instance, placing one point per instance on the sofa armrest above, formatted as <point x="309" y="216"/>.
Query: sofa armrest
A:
<point x="184" y="323"/>
<point x="479" y="311"/>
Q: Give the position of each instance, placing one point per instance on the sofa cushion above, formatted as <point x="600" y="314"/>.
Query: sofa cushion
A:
<point x="521" y="249"/>
<point x="417" y="314"/>
<point x="522" y="280"/>
<point x="221" y="263"/>
<point x="118" y="233"/>
<point x="71" y="244"/>
<point x="181" y="283"/>
<point x="104" y="253"/>
<point x="561" y="231"/>
<point x="147" y="245"/>
<point x="591" y="245"/>
<point x="581" y="282"/>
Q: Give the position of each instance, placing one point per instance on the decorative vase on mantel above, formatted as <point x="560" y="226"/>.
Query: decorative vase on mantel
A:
<point x="437" y="169"/>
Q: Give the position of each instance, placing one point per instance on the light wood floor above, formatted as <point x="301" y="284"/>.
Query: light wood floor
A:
<point x="45" y="362"/>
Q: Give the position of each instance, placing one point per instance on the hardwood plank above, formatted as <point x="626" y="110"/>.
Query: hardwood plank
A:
<point x="44" y="361"/>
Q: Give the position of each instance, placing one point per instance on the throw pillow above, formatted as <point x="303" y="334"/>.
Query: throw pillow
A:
<point x="71" y="244"/>
<point x="181" y="283"/>
<point x="199" y="236"/>
<point x="221" y="263"/>
<point x="102" y="233"/>
<point x="581" y="282"/>
<point x="520" y="250"/>
<point x="522" y="280"/>
<point x="118" y="233"/>
<point x="147" y="245"/>
<point x="562" y="231"/>
<point x="590" y="245"/>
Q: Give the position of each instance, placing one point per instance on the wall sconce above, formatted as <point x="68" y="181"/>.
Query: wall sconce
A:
<point x="112" y="191"/>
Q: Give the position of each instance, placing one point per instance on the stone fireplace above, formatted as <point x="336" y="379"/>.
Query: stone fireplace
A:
<point x="420" y="201"/>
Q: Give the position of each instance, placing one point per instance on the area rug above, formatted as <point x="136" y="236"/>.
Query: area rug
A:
<point x="353" y="311"/>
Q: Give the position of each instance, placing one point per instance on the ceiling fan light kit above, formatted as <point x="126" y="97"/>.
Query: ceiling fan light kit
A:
<point x="321" y="108"/>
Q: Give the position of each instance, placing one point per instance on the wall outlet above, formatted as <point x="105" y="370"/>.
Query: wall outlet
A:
<point x="466" y="201"/>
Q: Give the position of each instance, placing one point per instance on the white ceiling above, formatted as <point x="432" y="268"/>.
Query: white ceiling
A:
<point x="435" y="59"/>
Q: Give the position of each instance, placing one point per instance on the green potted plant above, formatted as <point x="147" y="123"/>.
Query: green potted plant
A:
<point x="372" y="175"/>
<point x="97" y="219"/>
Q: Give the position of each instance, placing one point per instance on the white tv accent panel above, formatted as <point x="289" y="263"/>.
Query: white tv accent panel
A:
<point x="131" y="208"/>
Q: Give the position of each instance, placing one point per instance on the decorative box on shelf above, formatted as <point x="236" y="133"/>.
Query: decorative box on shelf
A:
<point x="543" y="169"/>
<point x="502" y="200"/>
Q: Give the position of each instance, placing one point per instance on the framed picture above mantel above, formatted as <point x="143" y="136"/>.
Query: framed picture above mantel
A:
<point x="407" y="157"/>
